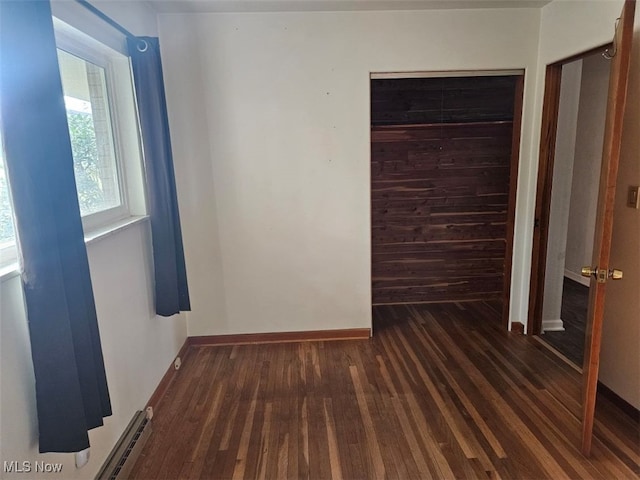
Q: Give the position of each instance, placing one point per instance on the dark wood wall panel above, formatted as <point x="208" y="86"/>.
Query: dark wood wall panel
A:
<point x="442" y="100"/>
<point x="440" y="196"/>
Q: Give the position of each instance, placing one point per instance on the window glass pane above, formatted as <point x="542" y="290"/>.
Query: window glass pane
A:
<point x="7" y="234"/>
<point x="85" y="96"/>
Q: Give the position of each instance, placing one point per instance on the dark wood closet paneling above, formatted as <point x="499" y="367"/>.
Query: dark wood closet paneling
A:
<point x="440" y="190"/>
<point x="442" y="100"/>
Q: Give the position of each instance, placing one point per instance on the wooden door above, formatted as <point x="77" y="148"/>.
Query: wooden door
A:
<point x="604" y="220"/>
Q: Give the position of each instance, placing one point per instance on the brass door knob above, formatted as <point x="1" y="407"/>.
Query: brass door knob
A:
<point x="602" y="274"/>
<point x="615" y="274"/>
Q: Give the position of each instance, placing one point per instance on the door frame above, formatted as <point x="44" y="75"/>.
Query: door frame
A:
<point x="548" y="135"/>
<point x="516" y="136"/>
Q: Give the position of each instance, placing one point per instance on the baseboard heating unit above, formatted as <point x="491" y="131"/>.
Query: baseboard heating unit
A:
<point x="123" y="456"/>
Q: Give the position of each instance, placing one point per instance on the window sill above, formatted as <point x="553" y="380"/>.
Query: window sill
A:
<point x="9" y="271"/>
<point x="98" y="234"/>
<point x="12" y="270"/>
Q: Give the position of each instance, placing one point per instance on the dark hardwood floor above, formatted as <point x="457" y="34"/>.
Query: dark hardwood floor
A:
<point x="439" y="392"/>
<point x="575" y="300"/>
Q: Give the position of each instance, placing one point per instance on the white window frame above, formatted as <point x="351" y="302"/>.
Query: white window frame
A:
<point x="124" y="124"/>
<point x="8" y="253"/>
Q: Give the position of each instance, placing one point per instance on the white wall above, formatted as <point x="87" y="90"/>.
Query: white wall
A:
<point x="561" y="194"/>
<point x="588" y="162"/>
<point x="270" y="116"/>
<point x="620" y="358"/>
<point x="570" y="27"/>
<point x="138" y="346"/>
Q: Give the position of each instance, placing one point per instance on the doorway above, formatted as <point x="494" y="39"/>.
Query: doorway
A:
<point x="576" y="175"/>
<point x="444" y="158"/>
<point x="573" y="186"/>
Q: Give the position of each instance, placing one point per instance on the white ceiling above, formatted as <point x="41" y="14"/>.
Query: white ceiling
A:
<point x="207" y="6"/>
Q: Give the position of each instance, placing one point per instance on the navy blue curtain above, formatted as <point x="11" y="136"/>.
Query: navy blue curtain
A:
<point x="71" y="387"/>
<point x="171" y="290"/>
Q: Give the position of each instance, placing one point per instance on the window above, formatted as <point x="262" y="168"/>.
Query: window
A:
<point x="98" y="95"/>
<point x="89" y="118"/>
<point x="7" y="233"/>
<point x="103" y="128"/>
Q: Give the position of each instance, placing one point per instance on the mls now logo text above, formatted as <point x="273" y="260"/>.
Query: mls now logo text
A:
<point x="31" y="467"/>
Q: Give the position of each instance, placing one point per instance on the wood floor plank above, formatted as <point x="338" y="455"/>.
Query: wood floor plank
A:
<point x="464" y="399"/>
<point x="422" y="427"/>
<point x="334" y="452"/>
<point x="377" y="467"/>
<point x="439" y="392"/>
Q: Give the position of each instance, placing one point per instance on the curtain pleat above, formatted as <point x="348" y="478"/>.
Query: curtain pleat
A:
<point x="71" y="386"/>
<point x="171" y="290"/>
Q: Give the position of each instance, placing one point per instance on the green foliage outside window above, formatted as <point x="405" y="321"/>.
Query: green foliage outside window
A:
<point x="6" y="221"/>
<point x="85" y="161"/>
<point x="85" y="164"/>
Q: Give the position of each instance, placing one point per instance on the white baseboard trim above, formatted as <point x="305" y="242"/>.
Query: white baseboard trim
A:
<point x="576" y="277"/>
<point x="552" y="325"/>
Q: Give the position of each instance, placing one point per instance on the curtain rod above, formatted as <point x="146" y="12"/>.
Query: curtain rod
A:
<point x="106" y="18"/>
